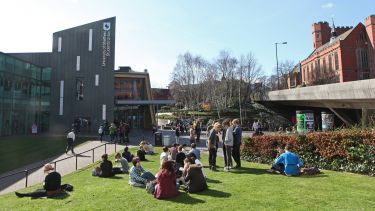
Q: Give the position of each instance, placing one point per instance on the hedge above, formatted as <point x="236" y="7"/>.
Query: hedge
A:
<point x="351" y="150"/>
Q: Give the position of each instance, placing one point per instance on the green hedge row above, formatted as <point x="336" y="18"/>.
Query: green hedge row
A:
<point x="351" y="150"/>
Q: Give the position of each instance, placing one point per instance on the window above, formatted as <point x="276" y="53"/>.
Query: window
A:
<point x="317" y="35"/>
<point x="324" y="66"/>
<point x="79" y="89"/>
<point x="61" y="98"/>
<point x="362" y="36"/>
<point x="336" y="61"/>
<point x="90" y="40"/>
<point x="329" y="63"/>
<point x="104" y="112"/>
<point x="96" y="80"/>
<point x="59" y="42"/>
<point x="78" y="65"/>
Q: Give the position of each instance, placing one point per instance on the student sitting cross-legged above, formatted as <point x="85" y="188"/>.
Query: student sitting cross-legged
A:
<point x="166" y="186"/>
<point x="138" y="176"/>
<point x="291" y="161"/>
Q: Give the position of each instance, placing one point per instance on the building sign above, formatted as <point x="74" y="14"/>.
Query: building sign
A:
<point x="106" y="43"/>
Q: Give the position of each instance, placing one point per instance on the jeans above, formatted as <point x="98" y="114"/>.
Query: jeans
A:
<point x="148" y="175"/>
<point x="212" y="157"/>
<point x="228" y="162"/>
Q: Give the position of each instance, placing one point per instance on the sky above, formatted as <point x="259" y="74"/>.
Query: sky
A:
<point x="150" y="34"/>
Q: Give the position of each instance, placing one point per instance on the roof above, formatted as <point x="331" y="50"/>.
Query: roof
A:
<point x="342" y="36"/>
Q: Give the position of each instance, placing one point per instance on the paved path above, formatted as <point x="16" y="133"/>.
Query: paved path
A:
<point x="67" y="166"/>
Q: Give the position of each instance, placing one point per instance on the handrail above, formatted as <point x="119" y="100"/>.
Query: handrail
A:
<point x="54" y="162"/>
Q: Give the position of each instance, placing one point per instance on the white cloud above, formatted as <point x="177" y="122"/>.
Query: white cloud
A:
<point x="328" y="5"/>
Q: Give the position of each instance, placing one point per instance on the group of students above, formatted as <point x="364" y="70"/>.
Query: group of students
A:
<point x="230" y="134"/>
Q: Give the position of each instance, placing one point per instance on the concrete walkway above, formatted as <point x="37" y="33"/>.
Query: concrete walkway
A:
<point x="67" y="166"/>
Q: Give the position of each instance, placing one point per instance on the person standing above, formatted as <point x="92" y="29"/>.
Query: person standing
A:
<point x="177" y="131"/>
<point x="237" y="136"/>
<point x="228" y="145"/>
<point x="213" y="139"/>
<point x="198" y="130"/>
<point x="71" y="137"/>
<point x="112" y="132"/>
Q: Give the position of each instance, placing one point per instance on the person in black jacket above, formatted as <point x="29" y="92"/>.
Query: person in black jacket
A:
<point x="106" y="167"/>
<point x="52" y="185"/>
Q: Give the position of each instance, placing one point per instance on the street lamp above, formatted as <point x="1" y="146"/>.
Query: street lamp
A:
<point x="277" y="63"/>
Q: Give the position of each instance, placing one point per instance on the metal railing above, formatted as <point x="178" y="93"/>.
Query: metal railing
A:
<point x="26" y="172"/>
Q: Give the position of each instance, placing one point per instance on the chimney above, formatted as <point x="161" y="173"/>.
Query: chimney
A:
<point x="145" y="71"/>
<point x="370" y="29"/>
<point x="125" y="68"/>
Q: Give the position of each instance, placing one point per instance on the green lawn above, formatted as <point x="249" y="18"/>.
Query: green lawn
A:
<point x="249" y="188"/>
<point x="22" y="150"/>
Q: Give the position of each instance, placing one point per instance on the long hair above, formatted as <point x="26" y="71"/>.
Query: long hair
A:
<point x="167" y="167"/>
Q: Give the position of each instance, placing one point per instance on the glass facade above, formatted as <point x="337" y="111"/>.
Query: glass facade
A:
<point x="129" y="88"/>
<point x="25" y="91"/>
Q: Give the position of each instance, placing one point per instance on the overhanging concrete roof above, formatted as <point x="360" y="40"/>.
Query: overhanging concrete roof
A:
<point x="354" y="94"/>
<point x="145" y="102"/>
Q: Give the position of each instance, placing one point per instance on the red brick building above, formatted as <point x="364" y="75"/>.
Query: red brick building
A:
<point x="340" y="54"/>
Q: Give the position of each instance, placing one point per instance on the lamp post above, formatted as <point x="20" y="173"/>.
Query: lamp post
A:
<point x="277" y="63"/>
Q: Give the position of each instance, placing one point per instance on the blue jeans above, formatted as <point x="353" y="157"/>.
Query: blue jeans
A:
<point x="148" y="175"/>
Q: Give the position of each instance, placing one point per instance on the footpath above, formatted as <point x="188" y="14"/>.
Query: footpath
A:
<point x="67" y="166"/>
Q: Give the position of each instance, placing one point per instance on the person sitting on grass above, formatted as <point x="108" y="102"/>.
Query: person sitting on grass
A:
<point x="180" y="157"/>
<point x="141" y="154"/>
<point x="164" y="156"/>
<point x="138" y="176"/>
<point x="278" y="168"/>
<point x="166" y="186"/>
<point x="195" y="180"/>
<point x="291" y="161"/>
<point x="106" y="167"/>
<point x="124" y="163"/>
<point x="147" y="147"/>
<point x="195" y="151"/>
<point x="196" y="161"/>
<point x="173" y="151"/>
<point x="51" y="188"/>
<point x="127" y="155"/>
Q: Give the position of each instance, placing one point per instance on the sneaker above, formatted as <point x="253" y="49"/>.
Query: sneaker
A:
<point x="213" y="168"/>
<point x="237" y="167"/>
<point x="226" y="169"/>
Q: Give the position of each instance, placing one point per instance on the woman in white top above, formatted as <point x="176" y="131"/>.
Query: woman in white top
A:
<point x="228" y="142"/>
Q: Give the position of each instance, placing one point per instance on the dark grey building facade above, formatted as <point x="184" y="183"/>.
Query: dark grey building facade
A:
<point x="82" y="80"/>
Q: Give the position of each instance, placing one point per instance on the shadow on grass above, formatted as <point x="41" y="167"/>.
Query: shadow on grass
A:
<point x="114" y="177"/>
<point x="213" y="180"/>
<point x="185" y="198"/>
<point x="214" y="193"/>
<point x="320" y="175"/>
<point x="60" y="197"/>
<point x="245" y="170"/>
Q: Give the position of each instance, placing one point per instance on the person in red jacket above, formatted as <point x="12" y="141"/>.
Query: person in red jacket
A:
<point x="166" y="186"/>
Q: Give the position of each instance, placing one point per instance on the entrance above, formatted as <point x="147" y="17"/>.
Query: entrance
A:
<point x="133" y="115"/>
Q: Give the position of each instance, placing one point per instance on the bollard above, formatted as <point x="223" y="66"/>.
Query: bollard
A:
<point x="115" y="146"/>
<point x="76" y="162"/>
<point x="26" y="177"/>
<point x="105" y="148"/>
<point x="55" y="165"/>
<point x="93" y="158"/>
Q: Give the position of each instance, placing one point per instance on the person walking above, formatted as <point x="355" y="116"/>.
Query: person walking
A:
<point x="101" y="132"/>
<point x="71" y="137"/>
<point x="112" y="132"/>
<point x="237" y="136"/>
<point x="198" y="130"/>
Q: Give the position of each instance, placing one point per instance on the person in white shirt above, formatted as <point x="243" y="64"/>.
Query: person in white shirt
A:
<point x="164" y="155"/>
<point x="71" y="137"/>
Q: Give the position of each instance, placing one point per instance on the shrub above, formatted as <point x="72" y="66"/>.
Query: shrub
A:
<point x="351" y="150"/>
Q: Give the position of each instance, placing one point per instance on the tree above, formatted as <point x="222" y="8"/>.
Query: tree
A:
<point x="284" y="69"/>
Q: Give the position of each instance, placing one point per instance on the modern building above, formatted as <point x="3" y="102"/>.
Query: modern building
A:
<point x="86" y="90"/>
<point x="340" y="54"/>
<point x="25" y="90"/>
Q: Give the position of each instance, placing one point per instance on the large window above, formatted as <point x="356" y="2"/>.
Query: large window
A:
<point x="129" y="88"/>
<point x="336" y="61"/>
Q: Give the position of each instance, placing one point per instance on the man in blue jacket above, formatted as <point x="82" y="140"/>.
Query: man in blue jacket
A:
<point x="291" y="162"/>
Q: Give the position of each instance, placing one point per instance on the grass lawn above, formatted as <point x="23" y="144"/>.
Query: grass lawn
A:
<point x="249" y="188"/>
<point x="22" y="150"/>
